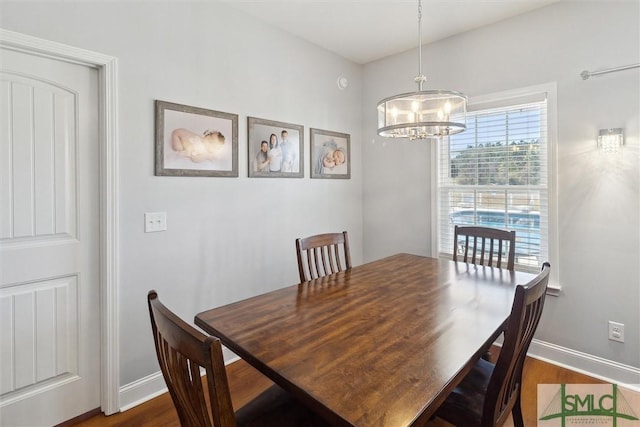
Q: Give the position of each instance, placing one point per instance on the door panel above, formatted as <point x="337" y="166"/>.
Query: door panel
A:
<point x="49" y="240"/>
<point x="41" y="147"/>
<point x="44" y="313"/>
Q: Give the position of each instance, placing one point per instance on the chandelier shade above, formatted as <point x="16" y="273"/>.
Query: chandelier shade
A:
<point x="425" y="113"/>
<point x="422" y="114"/>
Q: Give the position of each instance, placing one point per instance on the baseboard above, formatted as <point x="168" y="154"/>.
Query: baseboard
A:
<point x="144" y="389"/>
<point x="137" y="392"/>
<point x="593" y="366"/>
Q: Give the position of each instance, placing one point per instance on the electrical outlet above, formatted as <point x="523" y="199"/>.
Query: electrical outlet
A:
<point x="616" y="331"/>
<point x="155" y="221"/>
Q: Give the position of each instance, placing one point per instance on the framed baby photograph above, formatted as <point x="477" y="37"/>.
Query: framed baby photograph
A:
<point x="192" y="141"/>
<point x="275" y="149"/>
<point x="330" y="154"/>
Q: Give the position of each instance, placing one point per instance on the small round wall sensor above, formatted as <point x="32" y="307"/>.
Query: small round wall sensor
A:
<point x="343" y="82"/>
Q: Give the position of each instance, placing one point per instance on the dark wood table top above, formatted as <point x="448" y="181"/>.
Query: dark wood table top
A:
<point x="379" y="345"/>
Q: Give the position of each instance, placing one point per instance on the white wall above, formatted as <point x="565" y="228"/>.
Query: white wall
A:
<point x="598" y="196"/>
<point x="227" y="238"/>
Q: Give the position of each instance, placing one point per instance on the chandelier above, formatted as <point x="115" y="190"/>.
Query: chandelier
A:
<point x="425" y="113"/>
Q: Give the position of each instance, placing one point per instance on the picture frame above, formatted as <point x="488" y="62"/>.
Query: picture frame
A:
<point x="284" y="159"/>
<point x="193" y="141"/>
<point x="330" y="154"/>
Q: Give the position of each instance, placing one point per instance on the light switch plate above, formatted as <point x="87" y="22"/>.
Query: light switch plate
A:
<point x="155" y="221"/>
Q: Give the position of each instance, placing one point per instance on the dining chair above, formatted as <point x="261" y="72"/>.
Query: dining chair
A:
<point x="322" y="254"/>
<point x="484" y="246"/>
<point x="489" y="392"/>
<point x="183" y="351"/>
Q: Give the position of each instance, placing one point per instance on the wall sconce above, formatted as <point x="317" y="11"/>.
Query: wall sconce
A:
<point x="610" y="140"/>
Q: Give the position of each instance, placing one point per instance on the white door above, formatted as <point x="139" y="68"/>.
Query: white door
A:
<point x="49" y="240"/>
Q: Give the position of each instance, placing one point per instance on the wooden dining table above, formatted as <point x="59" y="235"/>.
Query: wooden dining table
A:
<point x="379" y="345"/>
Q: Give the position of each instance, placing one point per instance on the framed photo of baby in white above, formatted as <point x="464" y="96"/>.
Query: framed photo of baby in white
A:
<point x="192" y="141"/>
<point x="330" y="154"/>
<point x="275" y="149"/>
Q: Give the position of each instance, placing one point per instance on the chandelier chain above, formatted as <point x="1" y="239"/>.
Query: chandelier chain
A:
<point x="420" y="78"/>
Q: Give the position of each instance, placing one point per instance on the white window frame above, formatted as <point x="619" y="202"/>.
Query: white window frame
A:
<point x="514" y="97"/>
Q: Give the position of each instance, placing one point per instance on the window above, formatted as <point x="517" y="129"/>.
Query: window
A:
<point x="497" y="174"/>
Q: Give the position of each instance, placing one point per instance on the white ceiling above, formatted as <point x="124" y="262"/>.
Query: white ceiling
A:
<point x="367" y="30"/>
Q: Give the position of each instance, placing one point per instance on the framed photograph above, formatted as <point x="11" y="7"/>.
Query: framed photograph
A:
<point x="192" y="141"/>
<point x="330" y="154"/>
<point x="275" y="149"/>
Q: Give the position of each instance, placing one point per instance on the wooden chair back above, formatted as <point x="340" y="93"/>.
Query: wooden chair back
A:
<point x="322" y="254"/>
<point x="182" y="350"/>
<point x="503" y="391"/>
<point x="485" y="246"/>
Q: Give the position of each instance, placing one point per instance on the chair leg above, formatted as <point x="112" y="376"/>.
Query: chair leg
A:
<point x="516" y="412"/>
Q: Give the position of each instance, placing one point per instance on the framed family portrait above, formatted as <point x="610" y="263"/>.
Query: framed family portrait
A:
<point x="192" y="141"/>
<point x="330" y="154"/>
<point x="275" y="149"/>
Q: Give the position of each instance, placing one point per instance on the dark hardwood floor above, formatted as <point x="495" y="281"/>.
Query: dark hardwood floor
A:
<point x="246" y="382"/>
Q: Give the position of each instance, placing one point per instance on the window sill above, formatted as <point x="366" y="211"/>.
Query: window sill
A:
<point x="554" y="290"/>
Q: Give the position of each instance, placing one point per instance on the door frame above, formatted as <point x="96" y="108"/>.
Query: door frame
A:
<point x="108" y="177"/>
